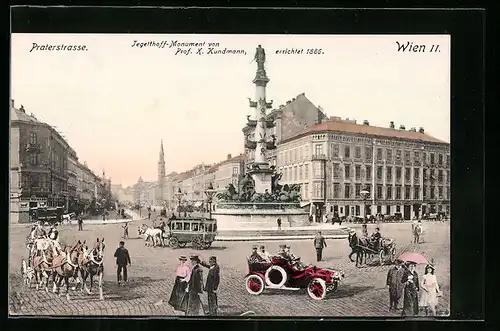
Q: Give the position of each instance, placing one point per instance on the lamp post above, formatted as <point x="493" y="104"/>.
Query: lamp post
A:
<point x="364" y="195"/>
<point x="179" y="196"/>
<point x="210" y="194"/>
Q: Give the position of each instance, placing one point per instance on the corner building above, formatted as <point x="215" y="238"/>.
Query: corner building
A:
<point x="404" y="171"/>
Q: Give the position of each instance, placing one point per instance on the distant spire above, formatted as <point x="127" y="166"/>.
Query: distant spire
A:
<point x="162" y="155"/>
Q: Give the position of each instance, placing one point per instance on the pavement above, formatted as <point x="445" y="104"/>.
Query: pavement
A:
<point x="151" y="276"/>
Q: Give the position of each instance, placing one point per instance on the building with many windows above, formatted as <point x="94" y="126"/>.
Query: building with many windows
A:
<point x="403" y="171"/>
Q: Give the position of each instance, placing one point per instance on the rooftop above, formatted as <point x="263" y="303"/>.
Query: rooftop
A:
<point x="368" y="130"/>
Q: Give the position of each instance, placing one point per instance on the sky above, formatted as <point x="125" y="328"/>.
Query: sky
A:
<point x="114" y="102"/>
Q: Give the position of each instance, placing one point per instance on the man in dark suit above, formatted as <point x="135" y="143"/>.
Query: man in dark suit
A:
<point x="319" y="244"/>
<point x="122" y="260"/>
<point x="212" y="284"/>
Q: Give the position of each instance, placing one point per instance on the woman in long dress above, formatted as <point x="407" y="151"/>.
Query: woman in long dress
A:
<point x="191" y="302"/>
<point x="410" y="291"/>
<point x="182" y="274"/>
<point x="430" y="291"/>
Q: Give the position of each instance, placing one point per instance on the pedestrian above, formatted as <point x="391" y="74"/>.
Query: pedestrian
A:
<point x="430" y="291"/>
<point x="125" y="230"/>
<point x="212" y="284"/>
<point x="319" y="244"/>
<point x="311" y="219"/>
<point x="80" y="222"/>
<point x="279" y="223"/>
<point x="365" y="227"/>
<point x="149" y="215"/>
<point x="394" y="284"/>
<point x="182" y="274"/>
<point x="191" y="302"/>
<point x="122" y="260"/>
<point x="410" y="292"/>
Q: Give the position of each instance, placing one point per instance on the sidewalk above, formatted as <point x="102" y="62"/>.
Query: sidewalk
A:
<point x="275" y="238"/>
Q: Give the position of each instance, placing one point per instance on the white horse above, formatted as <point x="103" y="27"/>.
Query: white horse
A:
<point x="156" y="235"/>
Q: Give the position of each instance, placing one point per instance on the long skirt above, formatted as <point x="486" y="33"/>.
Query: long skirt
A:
<point x="177" y="293"/>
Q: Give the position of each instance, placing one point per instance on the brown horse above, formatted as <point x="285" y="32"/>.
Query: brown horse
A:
<point x="91" y="264"/>
<point x="42" y="266"/>
<point x="65" y="265"/>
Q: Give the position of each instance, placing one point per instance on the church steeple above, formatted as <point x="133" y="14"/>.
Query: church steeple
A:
<point x="162" y="155"/>
<point x="161" y="174"/>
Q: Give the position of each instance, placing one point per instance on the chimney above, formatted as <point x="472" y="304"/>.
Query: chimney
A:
<point x="365" y="122"/>
<point x="12" y="103"/>
<point x="288" y="102"/>
<point x="22" y="109"/>
<point x="391" y="125"/>
<point x="413" y="130"/>
<point x="229" y="156"/>
<point x="402" y="127"/>
<point x="421" y="130"/>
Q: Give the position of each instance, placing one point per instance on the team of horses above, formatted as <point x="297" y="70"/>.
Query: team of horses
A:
<point x="153" y="235"/>
<point x="50" y="261"/>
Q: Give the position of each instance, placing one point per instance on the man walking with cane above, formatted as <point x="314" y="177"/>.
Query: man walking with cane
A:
<point x="319" y="244"/>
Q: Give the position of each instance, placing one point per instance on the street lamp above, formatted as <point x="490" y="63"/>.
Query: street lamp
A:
<point x="364" y="194"/>
<point x="179" y="196"/>
<point x="210" y="194"/>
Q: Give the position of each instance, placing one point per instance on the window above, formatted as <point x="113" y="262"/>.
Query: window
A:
<point x="398" y="173"/>
<point x="295" y="173"/>
<point x="407" y="192"/>
<point x="424" y="158"/>
<point x="398" y="155"/>
<point x="357" y="152"/>
<point x="416" y="192"/>
<point x="379" y="191"/>
<point x="318" y="149"/>
<point x="347" y="191"/>
<point x="440" y="159"/>
<point x="425" y="191"/>
<point x="379" y="154"/>
<point x="194" y="227"/>
<point x="335" y="150"/>
<point x="440" y="192"/>
<point x="358" y="210"/>
<point x="318" y="190"/>
<point x="358" y="172"/>
<point x="368" y="153"/>
<point x="407" y="174"/>
<point x="398" y="192"/>
<point x="440" y="176"/>
<point x="33" y="159"/>
<point x="178" y="226"/>
<point x="416" y="157"/>
<point x="306" y="171"/>
<point x="432" y="158"/>
<point x="300" y="172"/>
<point x="33" y="138"/>
<point x="368" y="170"/>
<point x="187" y="226"/>
<point x="387" y="210"/>
<point x="388" y="174"/>
<point x="379" y="172"/>
<point x="347" y="171"/>
<point x="447" y="160"/>
<point x="336" y="190"/>
<point x="433" y="192"/>
<point x="357" y="190"/>
<point x="347" y="151"/>
<point x="318" y="169"/>
<point x="388" y="193"/>
<point x="235" y="170"/>
<point x="448" y="192"/>
<point x="398" y="209"/>
<point x="407" y="156"/>
<point x="447" y="176"/>
<point x="416" y="173"/>
<point x="389" y="155"/>
<point x="336" y="170"/>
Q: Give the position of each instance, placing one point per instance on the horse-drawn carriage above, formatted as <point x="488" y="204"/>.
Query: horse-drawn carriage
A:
<point x="366" y="249"/>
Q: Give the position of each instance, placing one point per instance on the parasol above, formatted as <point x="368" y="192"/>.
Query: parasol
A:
<point x="413" y="257"/>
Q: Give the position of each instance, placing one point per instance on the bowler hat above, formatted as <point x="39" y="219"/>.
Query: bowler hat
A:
<point x="213" y="258"/>
<point x="183" y="258"/>
<point x="194" y="257"/>
<point x="122" y="242"/>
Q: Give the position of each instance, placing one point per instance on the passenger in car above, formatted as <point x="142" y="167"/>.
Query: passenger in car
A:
<point x="264" y="254"/>
<point x="255" y="256"/>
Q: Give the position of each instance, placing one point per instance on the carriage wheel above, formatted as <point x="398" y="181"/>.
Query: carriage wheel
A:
<point x="381" y="256"/>
<point x="393" y="254"/>
<point x="182" y="245"/>
<point x="173" y="242"/>
<point x="317" y="289"/>
<point x="254" y="284"/>
<point x="207" y="244"/>
<point x="197" y="243"/>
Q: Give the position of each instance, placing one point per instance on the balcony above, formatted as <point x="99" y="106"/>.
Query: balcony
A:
<point x="319" y="157"/>
<point x="33" y="148"/>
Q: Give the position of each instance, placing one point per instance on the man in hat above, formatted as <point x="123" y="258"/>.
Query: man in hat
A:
<point x="255" y="256"/>
<point x="191" y="303"/>
<point x="53" y="233"/>
<point x="319" y="245"/>
<point x="288" y="255"/>
<point x="80" y="222"/>
<point x="281" y="251"/>
<point x="375" y="239"/>
<point x="122" y="260"/>
<point x="264" y="254"/>
<point x="394" y="284"/>
<point x="212" y="284"/>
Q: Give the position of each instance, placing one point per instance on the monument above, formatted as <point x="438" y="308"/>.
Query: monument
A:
<point x="259" y="200"/>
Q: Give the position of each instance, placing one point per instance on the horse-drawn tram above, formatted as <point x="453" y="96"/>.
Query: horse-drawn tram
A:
<point x="50" y="215"/>
<point x="200" y="232"/>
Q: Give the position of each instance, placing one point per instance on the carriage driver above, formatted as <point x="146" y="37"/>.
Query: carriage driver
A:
<point x="375" y="238"/>
<point x="53" y="233"/>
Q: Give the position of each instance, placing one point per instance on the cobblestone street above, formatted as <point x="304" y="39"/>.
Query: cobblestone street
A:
<point x="362" y="293"/>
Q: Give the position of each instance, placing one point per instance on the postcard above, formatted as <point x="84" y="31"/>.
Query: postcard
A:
<point x="229" y="175"/>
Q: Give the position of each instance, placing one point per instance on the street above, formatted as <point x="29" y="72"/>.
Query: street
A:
<point x="151" y="276"/>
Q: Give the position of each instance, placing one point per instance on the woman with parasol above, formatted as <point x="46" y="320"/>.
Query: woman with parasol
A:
<point x="410" y="281"/>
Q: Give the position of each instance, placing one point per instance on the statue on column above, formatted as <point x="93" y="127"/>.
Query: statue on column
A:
<point x="260" y="58"/>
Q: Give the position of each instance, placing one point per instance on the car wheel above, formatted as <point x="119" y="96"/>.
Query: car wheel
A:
<point x="254" y="284"/>
<point x="173" y="242"/>
<point x="276" y="276"/>
<point x="317" y="289"/>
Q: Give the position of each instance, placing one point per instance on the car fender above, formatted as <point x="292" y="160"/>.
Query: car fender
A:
<point x="261" y="275"/>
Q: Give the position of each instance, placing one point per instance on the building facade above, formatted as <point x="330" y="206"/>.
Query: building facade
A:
<point x="358" y="169"/>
